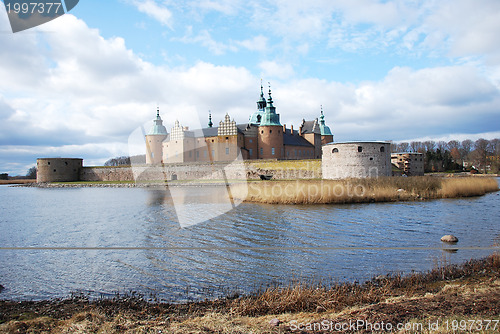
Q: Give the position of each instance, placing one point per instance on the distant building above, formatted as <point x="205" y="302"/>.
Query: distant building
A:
<point x="356" y="160"/>
<point x="263" y="137"/>
<point x="412" y="164"/>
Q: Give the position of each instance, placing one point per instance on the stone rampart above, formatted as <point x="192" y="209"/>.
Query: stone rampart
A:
<point x="194" y="171"/>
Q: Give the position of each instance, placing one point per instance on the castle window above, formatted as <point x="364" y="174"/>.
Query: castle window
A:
<point x="272" y="150"/>
<point x="270" y="131"/>
<point x="227" y="150"/>
<point x="250" y="141"/>
<point x="190" y="154"/>
<point x="262" y="132"/>
<point x="360" y="149"/>
<point x="66" y="163"/>
<point x="48" y="163"/>
<point x="382" y="149"/>
<point x="371" y="159"/>
<point x="261" y="151"/>
<point x="212" y="140"/>
<point x="250" y="152"/>
<point x="197" y="154"/>
<point x="227" y="138"/>
<point x="54" y="170"/>
<point x="205" y="153"/>
<point x="335" y="150"/>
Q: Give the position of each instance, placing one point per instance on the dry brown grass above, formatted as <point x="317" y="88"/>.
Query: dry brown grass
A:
<point x="386" y="189"/>
<point x="20" y="181"/>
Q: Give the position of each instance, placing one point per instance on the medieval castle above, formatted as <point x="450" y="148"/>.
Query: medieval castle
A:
<point x="263" y="137"/>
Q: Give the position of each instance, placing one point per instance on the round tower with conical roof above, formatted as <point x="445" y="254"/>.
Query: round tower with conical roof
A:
<point x="270" y="133"/>
<point x="154" y="141"/>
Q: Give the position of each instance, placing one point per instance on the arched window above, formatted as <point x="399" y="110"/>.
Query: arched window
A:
<point x="382" y="149"/>
<point x="335" y="150"/>
<point x="360" y="149"/>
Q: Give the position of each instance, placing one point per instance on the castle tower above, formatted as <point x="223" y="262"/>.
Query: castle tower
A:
<point x="326" y="134"/>
<point x="154" y="140"/>
<point x="256" y="117"/>
<point x="270" y="133"/>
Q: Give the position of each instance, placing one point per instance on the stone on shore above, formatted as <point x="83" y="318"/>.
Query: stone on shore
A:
<point x="275" y="322"/>
<point x="449" y="238"/>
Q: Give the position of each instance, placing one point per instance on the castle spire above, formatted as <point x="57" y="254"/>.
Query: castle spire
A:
<point x="270" y="99"/>
<point x="261" y="104"/>
<point x="270" y="117"/>
<point x="322" y="117"/>
<point x="325" y="130"/>
<point x="210" y="124"/>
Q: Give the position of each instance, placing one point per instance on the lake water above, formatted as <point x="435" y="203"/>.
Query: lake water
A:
<point x="99" y="241"/>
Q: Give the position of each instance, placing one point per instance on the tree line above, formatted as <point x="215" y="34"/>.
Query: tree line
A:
<point x="481" y="155"/>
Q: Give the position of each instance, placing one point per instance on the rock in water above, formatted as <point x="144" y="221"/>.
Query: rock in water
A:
<point x="449" y="238"/>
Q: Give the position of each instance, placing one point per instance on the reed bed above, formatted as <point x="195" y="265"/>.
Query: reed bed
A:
<point x="385" y="189"/>
<point x="317" y="298"/>
<point x="337" y="297"/>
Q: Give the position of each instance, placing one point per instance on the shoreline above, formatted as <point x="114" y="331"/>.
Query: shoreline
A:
<point x="468" y="291"/>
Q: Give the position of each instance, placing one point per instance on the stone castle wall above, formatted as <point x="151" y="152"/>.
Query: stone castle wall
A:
<point x="193" y="171"/>
<point x="356" y="160"/>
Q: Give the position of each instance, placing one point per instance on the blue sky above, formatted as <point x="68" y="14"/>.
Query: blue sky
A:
<point x="78" y="86"/>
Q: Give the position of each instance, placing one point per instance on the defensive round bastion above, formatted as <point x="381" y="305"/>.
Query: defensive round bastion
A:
<point x="356" y="160"/>
<point x="58" y="169"/>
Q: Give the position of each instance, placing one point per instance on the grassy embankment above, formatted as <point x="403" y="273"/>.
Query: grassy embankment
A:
<point x="385" y="189"/>
<point x="445" y="295"/>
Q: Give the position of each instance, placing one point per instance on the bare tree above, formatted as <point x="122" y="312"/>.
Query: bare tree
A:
<point x="429" y="145"/>
<point x="441" y="146"/>
<point x="416" y="146"/>
<point x="453" y="144"/>
<point x="466" y="148"/>
<point x="403" y="147"/>
<point x="481" y="153"/>
<point x="495" y="146"/>
<point x="31" y="173"/>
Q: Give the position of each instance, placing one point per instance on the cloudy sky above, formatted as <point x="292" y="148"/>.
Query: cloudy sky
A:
<point x="78" y="86"/>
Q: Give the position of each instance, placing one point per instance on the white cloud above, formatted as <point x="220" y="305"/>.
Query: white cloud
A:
<point x="158" y="12"/>
<point x="257" y="43"/>
<point x="205" y="39"/>
<point x="228" y="7"/>
<point x="276" y="70"/>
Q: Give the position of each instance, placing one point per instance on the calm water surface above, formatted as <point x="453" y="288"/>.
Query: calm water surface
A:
<point x="249" y="247"/>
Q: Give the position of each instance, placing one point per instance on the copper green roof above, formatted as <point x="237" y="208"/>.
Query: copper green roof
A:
<point x="325" y="130"/>
<point x="158" y="128"/>
<point x="270" y="117"/>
